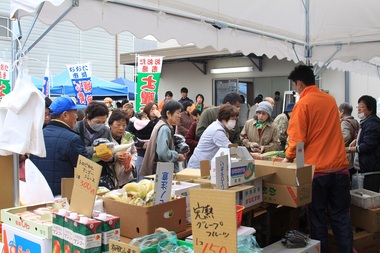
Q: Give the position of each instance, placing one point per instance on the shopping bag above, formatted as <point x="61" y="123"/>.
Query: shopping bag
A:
<point x="35" y="190"/>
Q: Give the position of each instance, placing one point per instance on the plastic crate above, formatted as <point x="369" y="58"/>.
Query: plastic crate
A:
<point x="365" y="199"/>
<point x="239" y="215"/>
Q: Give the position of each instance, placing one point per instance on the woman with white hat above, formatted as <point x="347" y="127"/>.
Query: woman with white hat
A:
<point x="259" y="134"/>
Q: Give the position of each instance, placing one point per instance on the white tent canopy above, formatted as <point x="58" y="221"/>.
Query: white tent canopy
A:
<point x="342" y="34"/>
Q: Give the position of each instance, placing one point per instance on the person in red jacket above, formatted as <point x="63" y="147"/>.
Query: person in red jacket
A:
<point x="191" y="137"/>
<point x="315" y="122"/>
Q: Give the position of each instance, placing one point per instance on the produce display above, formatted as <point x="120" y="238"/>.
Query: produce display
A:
<point x="141" y="193"/>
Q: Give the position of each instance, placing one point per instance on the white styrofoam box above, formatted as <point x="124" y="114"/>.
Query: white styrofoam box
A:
<point x="24" y="241"/>
<point x="182" y="189"/>
<point x="365" y="199"/>
<point x="313" y="246"/>
<point x="241" y="167"/>
<point x="253" y="195"/>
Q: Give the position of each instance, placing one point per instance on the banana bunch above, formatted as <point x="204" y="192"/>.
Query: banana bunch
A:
<point x="141" y="193"/>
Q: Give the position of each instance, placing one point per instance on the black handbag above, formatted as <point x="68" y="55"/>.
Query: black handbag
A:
<point x="108" y="177"/>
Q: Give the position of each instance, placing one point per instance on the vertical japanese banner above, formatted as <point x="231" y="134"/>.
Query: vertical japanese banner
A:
<point x="80" y="75"/>
<point x="148" y="79"/>
<point x="46" y="86"/>
<point x="5" y="86"/>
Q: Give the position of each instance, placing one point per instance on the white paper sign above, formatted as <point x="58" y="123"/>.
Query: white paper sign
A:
<point x="300" y="155"/>
<point x="221" y="166"/>
<point x="163" y="183"/>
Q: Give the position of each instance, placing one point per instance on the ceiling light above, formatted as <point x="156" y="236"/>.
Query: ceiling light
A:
<point x="231" y="70"/>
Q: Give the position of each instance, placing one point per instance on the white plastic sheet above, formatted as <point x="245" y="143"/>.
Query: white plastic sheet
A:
<point x="22" y="114"/>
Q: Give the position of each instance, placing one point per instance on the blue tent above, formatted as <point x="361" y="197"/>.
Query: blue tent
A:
<point x="130" y="84"/>
<point x="61" y="85"/>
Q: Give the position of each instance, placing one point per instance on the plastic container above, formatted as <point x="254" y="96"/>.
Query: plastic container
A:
<point x="357" y="181"/>
<point x="365" y="199"/>
<point x="239" y="215"/>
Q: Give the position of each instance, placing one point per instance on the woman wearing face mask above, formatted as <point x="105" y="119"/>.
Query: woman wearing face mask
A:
<point x="215" y="136"/>
<point x="367" y="145"/>
<point x="259" y="134"/>
<point x="93" y="127"/>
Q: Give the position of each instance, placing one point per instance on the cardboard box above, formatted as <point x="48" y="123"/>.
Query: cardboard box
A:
<point x="241" y="168"/>
<point x="370" y="223"/>
<point x="17" y="240"/>
<point x="136" y="221"/>
<point x="6" y="182"/>
<point x="10" y="216"/>
<point x="182" y="189"/>
<point x="67" y="185"/>
<point x="253" y="195"/>
<point x="314" y="246"/>
<point x="291" y="196"/>
<point x="203" y="182"/>
<point x="284" y="173"/>
<point x="364" y="242"/>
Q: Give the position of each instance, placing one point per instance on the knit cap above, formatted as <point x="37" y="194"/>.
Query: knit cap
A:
<point x="266" y="107"/>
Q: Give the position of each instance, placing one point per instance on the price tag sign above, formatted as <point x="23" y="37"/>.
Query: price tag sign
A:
<point x="86" y="181"/>
<point x="300" y="155"/>
<point x="163" y="183"/>
<point x="221" y="166"/>
<point x="120" y="247"/>
<point x="213" y="219"/>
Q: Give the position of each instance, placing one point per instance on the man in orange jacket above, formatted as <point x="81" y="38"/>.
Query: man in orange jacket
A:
<point x="315" y="122"/>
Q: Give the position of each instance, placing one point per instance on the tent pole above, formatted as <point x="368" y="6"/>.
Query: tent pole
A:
<point x="15" y="49"/>
<point x="308" y="50"/>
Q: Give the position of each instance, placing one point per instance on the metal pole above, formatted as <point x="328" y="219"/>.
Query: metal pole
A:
<point x="15" y="49"/>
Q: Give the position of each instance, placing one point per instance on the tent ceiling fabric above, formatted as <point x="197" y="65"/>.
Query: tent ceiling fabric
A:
<point x="347" y="33"/>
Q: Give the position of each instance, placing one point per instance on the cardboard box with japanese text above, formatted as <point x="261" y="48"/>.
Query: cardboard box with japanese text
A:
<point x="19" y="217"/>
<point x="17" y="240"/>
<point x="136" y="221"/>
<point x="240" y="165"/>
<point x="287" y="185"/>
<point x="291" y="196"/>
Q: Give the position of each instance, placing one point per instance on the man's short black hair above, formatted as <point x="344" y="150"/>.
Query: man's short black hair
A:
<point x="184" y="90"/>
<point x="277" y="93"/>
<point x="169" y="93"/>
<point x="232" y="98"/>
<point x="304" y="74"/>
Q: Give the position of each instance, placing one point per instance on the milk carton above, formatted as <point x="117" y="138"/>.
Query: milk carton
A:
<point x="110" y="228"/>
<point x="87" y="236"/>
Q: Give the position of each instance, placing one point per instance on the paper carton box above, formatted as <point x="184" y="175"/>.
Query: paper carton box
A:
<point x="286" y="195"/>
<point x="253" y="195"/>
<point x="136" y="221"/>
<point x="241" y="168"/>
<point x="87" y="236"/>
<point x="283" y="173"/>
<point x="17" y="240"/>
<point x="14" y="217"/>
<point x="364" y="241"/>
<point x="182" y="189"/>
<point x="371" y="223"/>
<point x="110" y="228"/>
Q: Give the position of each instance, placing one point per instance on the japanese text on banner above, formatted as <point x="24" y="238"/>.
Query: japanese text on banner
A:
<point x="80" y="75"/>
<point x="5" y="86"/>
<point x="148" y="79"/>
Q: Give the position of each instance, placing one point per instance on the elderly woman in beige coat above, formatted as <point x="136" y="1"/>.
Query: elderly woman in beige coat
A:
<point x="259" y="134"/>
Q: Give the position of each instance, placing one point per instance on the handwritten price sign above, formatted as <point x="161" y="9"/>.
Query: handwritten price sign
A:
<point x="86" y="181"/>
<point x="213" y="219"/>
